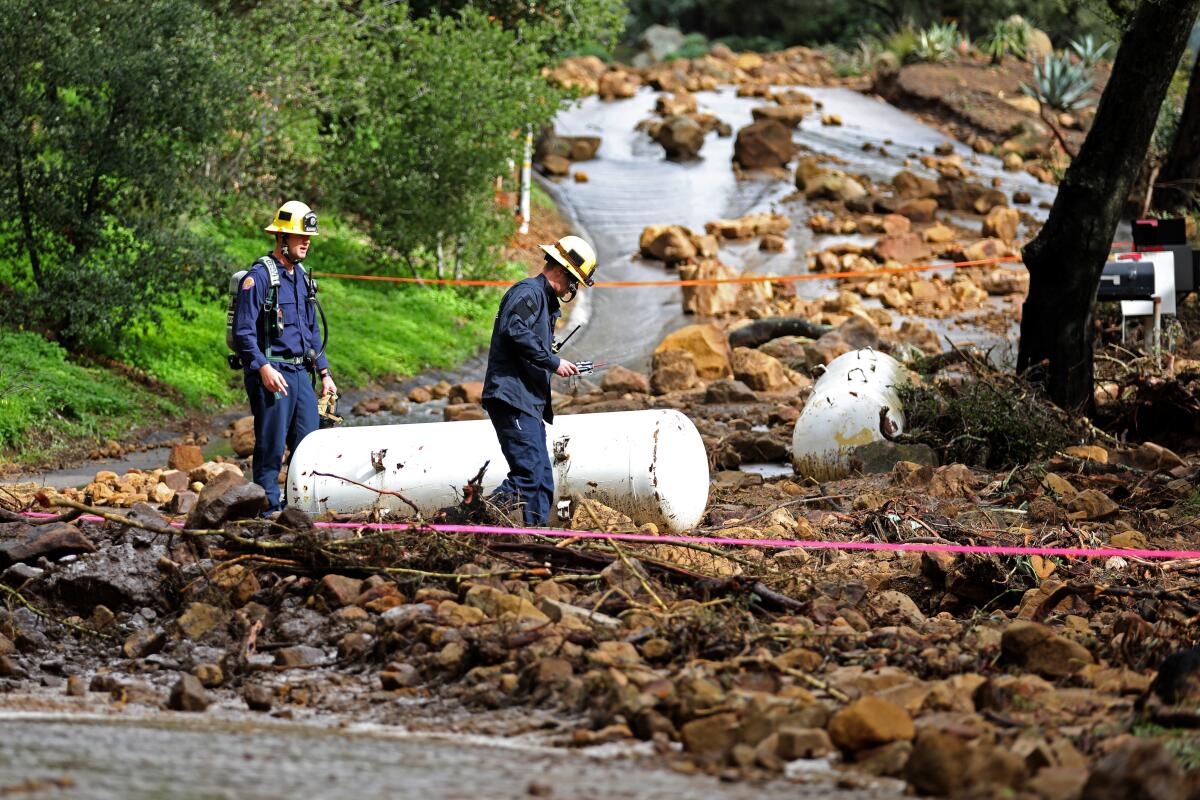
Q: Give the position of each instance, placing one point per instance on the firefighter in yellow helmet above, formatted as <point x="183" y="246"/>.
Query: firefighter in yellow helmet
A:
<point x="521" y="361"/>
<point x="277" y="337"/>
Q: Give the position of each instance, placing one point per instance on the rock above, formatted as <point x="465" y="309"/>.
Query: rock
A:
<point x="796" y="743"/>
<point x="985" y="249"/>
<point x="711" y="736"/>
<point x="1140" y="768"/>
<point x="188" y="695"/>
<point x="19" y="574"/>
<point x="1129" y="540"/>
<point x="51" y="541"/>
<point x="938" y="234"/>
<point x="729" y="390"/>
<point x="758" y="446"/>
<point x="773" y="243"/>
<point x="557" y="610"/>
<point x="659" y="41"/>
<point x="339" y="590"/>
<point x="831" y="119"/>
<point x="300" y="655"/>
<point x="1013" y="162"/>
<point x="869" y="722"/>
<point x="885" y="456"/>
<point x="471" y="392"/>
<point x="182" y="503"/>
<point x="399" y="676"/>
<point x="176" y="480"/>
<point x="760" y="371"/>
<point x="708" y="347"/>
<point x="1036" y="648"/>
<point x="227" y="497"/>
<point x="895" y="608"/>
<point x="1092" y="504"/>
<point x="185" y="457"/>
<point x="909" y="186"/>
<point x="208" y="471"/>
<point x="919" y="210"/>
<point x="457" y="412"/>
<point x="670" y="243"/>
<point x="763" y="144"/>
<point x="1155" y="458"/>
<point x="198" y="619"/>
<point x="242" y="437"/>
<point x="145" y="642"/>
<point x="1002" y="223"/>
<point x="1003" y="280"/>
<point x="952" y="480"/>
<point x="556" y="166"/>
<point x="672" y="370"/>
<point x="258" y="697"/>
<point x="623" y="380"/>
<point x="209" y="675"/>
<point x="904" y="247"/>
<point x="420" y="394"/>
<point x="681" y="137"/>
<point x="936" y="766"/>
<point x="582" y="148"/>
<point x="617" y="85"/>
<point x="835" y="186"/>
<point x="789" y="115"/>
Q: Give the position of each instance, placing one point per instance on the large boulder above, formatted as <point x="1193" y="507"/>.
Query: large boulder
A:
<point x="228" y="496"/>
<point x="763" y="144"/>
<point x="788" y="115"/>
<point x="669" y="243"/>
<point x="708" y="347"/>
<point x="581" y="148"/>
<point x="1002" y="223"/>
<point x="709" y="299"/>
<point x="681" y="137"/>
<point x="24" y="543"/>
<point x="910" y="187"/>
<point x="659" y="41"/>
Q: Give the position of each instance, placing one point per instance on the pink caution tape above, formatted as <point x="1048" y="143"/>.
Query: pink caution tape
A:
<point x="786" y="544"/>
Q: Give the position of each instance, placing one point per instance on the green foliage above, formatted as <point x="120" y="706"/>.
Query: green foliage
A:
<point x="108" y="110"/>
<point x="558" y="27"/>
<point x="48" y="399"/>
<point x="431" y="110"/>
<point x="988" y="422"/>
<point x="941" y="41"/>
<point x="1007" y="37"/>
<point x="1089" y="50"/>
<point x="695" y="45"/>
<point x="1184" y="744"/>
<point x="1060" y="83"/>
<point x="750" y="44"/>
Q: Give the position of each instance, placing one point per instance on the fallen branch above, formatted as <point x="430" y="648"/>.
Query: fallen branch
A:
<point x="386" y="492"/>
<point x="764" y="330"/>
<point x="20" y="598"/>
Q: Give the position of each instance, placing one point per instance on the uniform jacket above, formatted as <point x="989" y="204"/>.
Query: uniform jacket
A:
<point x="521" y="359"/>
<point x="300" y="328"/>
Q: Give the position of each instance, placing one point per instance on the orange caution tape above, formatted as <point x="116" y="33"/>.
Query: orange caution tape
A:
<point x="808" y="276"/>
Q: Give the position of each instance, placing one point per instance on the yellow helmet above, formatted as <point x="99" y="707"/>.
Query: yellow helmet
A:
<point x="294" y="217"/>
<point x="575" y="255"/>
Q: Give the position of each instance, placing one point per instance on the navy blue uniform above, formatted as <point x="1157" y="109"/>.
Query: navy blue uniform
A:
<point x="516" y="393"/>
<point x="279" y="421"/>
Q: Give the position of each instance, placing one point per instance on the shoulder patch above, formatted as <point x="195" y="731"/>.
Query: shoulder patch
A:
<point x="248" y="283"/>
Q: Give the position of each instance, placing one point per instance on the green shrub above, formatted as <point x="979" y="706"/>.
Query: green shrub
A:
<point x="695" y="45"/>
<point x="1007" y="37"/>
<point x="938" y="42"/>
<point x="1060" y="83"/>
<point x="1089" y="50"/>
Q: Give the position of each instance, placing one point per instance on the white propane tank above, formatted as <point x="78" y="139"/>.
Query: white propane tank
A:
<point x="843" y="412"/>
<point x="651" y="465"/>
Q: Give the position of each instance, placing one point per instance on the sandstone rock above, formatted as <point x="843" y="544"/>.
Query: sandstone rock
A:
<point x="904" y="247"/>
<point x="672" y="370"/>
<point x="209" y="675"/>
<point x="986" y="248"/>
<point x="556" y="166"/>
<point x="617" y="85"/>
<point x="208" y="472"/>
<point x="399" y="676"/>
<point x="760" y="371"/>
<point x="789" y="115"/>
<point x="710" y="736"/>
<point x="176" y="480"/>
<point x="420" y="394"/>
<point x="669" y="243"/>
<point x="188" y="695"/>
<point x="773" y="243"/>
<point x="258" y="697"/>
<point x="796" y="743"/>
<point x="582" y="148"/>
<point x="242" y="437"/>
<point x="621" y="379"/>
<point x="1035" y="647"/>
<point x="712" y="299"/>
<point x="895" y="608"/>
<point x="300" y="655"/>
<point x="1002" y="223"/>
<point x="909" y="186"/>
<point x="339" y="590"/>
<point x="182" y="503"/>
<point x="456" y="412"/>
<point x="471" y="392"/>
<point x="1092" y="504"/>
<point x="919" y="210"/>
<point x="952" y="480"/>
<point x="199" y="619"/>
<point x="681" y="138"/>
<point x="185" y="457"/>
<point x="869" y="722"/>
<point x="143" y="643"/>
<point x="938" y="234"/>
<point x="762" y="144"/>
<point x="885" y="456"/>
<point x="708" y="347"/>
<point x="1013" y="162"/>
<point x="1154" y="457"/>
<point x="1002" y="281"/>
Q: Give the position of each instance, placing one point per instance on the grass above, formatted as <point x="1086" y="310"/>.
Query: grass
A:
<point x="51" y="404"/>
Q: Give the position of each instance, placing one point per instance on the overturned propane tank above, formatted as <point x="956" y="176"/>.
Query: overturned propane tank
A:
<point x="650" y="465"/>
<point x="852" y="400"/>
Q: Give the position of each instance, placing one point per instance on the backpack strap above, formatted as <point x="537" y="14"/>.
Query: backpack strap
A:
<point x="267" y="319"/>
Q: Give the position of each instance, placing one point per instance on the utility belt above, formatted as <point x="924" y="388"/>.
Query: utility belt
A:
<point x="295" y="361"/>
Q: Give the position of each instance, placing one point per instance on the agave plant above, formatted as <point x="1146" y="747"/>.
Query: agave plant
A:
<point x="1059" y="83"/>
<point x="938" y="42"/>
<point x="1089" y="50"/>
<point x="1008" y="37"/>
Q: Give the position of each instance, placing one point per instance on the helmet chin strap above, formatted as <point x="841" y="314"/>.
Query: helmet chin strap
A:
<point x="572" y="290"/>
<point x="283" y="248"/>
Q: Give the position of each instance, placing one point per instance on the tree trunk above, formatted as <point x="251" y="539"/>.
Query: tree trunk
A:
<point x="23" y="202"/>
<point x="1179" y="179"/>
<point x="1068" y="255"/>
<point x="764" y="330"/>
